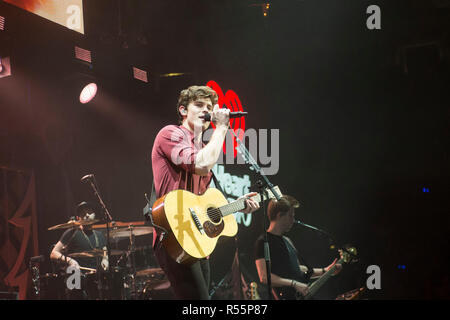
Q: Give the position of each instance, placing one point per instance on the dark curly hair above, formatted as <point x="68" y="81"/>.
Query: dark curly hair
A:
<point x="192" y="94"/>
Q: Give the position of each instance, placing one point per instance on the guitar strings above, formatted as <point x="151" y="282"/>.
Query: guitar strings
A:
<point x="216" y="214"/>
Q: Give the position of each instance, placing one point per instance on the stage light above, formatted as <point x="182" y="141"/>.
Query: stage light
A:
<point x="5" y="67"/>
<point x="83" y="54"/>
<point x="173" y="74"/>
<point x="2" y="23"/>
<point x="140" y="74"/>
<point x="88" y="93"/>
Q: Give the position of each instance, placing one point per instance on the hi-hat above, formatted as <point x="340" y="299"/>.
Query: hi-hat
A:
<point x="126" y="232"/>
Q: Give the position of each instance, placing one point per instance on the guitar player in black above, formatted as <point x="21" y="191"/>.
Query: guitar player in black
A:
<point x="288" y="276"/>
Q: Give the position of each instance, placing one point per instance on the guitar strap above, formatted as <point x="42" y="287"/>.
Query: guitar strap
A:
<point x="216" y="183"/>
<point x="147" y="211"/>
<point x="294" y="253"/>
<point x="149" y="217"/>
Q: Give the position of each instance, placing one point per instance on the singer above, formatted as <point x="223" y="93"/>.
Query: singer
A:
<point x="289" y="277"/>
<point x="180" y="160"/>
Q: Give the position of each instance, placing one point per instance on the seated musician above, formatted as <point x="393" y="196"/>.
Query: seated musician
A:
<point x="79" y="240"/>
<point x="288" y="276"/>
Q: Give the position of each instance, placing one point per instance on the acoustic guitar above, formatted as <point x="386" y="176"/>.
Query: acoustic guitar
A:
<point x="195" y="222"/>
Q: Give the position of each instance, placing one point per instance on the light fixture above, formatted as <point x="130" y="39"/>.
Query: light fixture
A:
<point x="83" y="54"/>
<point x="88" y="93"/>
<point x="140" y="74"/>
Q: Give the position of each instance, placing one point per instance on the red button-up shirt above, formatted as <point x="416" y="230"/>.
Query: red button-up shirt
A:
<point x="173" y="162"/>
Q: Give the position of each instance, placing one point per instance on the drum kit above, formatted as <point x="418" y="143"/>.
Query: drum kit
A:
<point x="133" y="272"/>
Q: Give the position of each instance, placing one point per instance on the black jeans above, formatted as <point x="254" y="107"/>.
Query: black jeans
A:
<point x="188" y="282"/>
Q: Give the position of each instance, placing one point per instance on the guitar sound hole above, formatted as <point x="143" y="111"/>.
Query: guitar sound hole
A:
<point x="214" y="215"/>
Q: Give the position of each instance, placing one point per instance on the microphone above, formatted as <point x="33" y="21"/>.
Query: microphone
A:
<point x="236" y="114"/>
<point x="307" y="226"/>
<point x="312" y="228"/>
<point x="87" y="177"/>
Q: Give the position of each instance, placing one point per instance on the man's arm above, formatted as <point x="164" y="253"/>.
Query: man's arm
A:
<point x="277" y="281"/>
<point x="57" y="255"/>
<point x="207" y="157"/>
<point x="317" y="272"/>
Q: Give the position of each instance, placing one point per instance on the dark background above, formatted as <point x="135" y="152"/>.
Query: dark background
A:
<point x="363" y="118"/>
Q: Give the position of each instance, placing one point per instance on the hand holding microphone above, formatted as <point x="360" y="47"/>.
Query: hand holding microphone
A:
<point x="222" y="115"/>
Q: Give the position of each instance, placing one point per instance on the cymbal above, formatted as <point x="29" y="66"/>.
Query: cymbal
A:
<point x="118" y="224"/>
<point x="126" y="232"/>
<point x="87" y="254"/>
<point x="151" y="272"/>
<point x="73" y="224"/>
<point x="94" y="253"/>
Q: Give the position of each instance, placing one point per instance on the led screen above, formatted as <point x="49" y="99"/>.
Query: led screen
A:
<point x="68" y="13"/>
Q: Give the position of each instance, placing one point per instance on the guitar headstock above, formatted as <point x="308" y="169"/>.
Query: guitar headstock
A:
<point x="348" y="254"/>
<point x="268" y="194"/>
<point x="254" y="291"/>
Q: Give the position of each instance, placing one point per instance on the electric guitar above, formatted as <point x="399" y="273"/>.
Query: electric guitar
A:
<point x="288" y="293"/>
<point x="195" y="222"/>
<point x="347" y="256"/>
<point x="254" y="295"/>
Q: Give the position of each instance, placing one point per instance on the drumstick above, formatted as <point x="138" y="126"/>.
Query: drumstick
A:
<point x="88" y="269"/>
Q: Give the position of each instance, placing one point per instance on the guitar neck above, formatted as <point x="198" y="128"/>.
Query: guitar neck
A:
<point x="239" y="204"/>
<point x="313" y="288"/>
<point x="236" y="206"/>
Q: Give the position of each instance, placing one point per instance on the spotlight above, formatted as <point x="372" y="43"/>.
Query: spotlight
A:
<point x="83" y="54"/>
<point x="140" y="74"/>
<point x="88" y="93"/>
<point x="5" y="67"/>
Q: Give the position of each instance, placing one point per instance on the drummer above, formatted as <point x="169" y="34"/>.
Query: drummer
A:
<point x="81" y="239"/>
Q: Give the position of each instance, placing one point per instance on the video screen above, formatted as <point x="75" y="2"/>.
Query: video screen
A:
<point x="68" y="13"/>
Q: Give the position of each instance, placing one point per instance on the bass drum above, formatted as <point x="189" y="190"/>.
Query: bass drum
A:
<point x="157" y="286"/>
<point x="52" y="286"/>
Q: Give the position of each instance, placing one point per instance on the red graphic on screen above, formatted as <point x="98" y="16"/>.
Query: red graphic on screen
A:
<point x="231" y="100"/>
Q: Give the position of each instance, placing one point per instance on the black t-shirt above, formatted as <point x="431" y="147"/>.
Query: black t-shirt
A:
<point x="284" y="260"/>
<point x="79" y="241"/>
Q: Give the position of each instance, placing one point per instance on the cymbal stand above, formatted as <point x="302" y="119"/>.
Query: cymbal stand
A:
<point x="107" y="218"/>
<point x="132" y="250"/>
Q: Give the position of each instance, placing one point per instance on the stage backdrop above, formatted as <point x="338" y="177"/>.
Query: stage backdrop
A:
<point x="18" y="229"/>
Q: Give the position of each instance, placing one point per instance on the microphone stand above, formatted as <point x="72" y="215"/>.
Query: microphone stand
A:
<point x="263" y="183"/>
<point x="108" y="219"/>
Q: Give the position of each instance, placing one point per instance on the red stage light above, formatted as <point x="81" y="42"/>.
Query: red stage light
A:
<point x="83" y="54"/>
<point x="88" y="93"/>
<point x="140" y="74"/>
